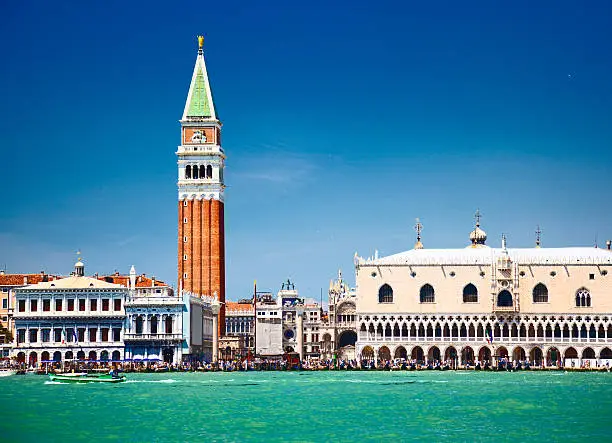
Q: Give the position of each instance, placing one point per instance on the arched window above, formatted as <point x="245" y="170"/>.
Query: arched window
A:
<point x="202" y="171"/>
<point x="169" y="325"/>
<point x="195" y="171"/>
<point x="427" y="294"/>
<point x="209" y="171"/>
<point x="154" y="324"/>
<point x="188" y="171"/>
<point x="540" y="293"/>
<point x="504" y="299"/>
<point x="385" y="294"/>
<point x="470" y="294"/>
<point x="583" y="298"/>
<point x="139" y="324"/>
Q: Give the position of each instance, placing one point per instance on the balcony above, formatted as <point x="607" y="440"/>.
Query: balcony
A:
<point x="153" y="337"/>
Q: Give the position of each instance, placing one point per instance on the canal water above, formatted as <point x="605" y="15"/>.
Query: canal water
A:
<point x="312" y="406"/>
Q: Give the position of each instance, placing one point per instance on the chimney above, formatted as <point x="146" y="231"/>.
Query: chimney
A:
<point x="25" y="279"/>
<point x="153" y="281"/>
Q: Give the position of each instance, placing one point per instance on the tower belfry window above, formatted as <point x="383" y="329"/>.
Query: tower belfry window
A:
<point x="202" y="171"/>
<point x="188" y="171"/>
<point x="209" y="171"/>
<point x="195" y="172"/>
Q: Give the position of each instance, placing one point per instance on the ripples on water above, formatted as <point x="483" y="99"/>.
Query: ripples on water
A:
<point x="292" y="406"/>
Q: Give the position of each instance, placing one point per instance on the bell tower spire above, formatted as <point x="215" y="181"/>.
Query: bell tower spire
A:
<point x="201" y="213"/>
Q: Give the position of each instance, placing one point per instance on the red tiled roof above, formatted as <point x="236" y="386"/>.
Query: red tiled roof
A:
<point x="233" y="306"/>
<point x="142" y="281"/>
<point x="24" y="279"/>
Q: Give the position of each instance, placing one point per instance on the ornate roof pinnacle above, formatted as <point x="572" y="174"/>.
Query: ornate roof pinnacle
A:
<point x="478" y="237"/>
<point x="200" y="42"/>
<point x="538" y="233"/>
<point x="418" y="227"/>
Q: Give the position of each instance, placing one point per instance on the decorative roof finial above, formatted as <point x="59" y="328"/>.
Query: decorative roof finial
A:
<point x="200" y="42"/>
<point x="538" y="233"/>
<point x="504" y="242"/>
<point x="478" y="237"/>
<point x="418" y="227"/>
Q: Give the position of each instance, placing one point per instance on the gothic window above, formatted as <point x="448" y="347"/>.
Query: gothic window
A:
<point x="188" y="171"/>
<point x="169" y="325"/>
<point x="202" y="171"/>
<point x="195" y="172"/>
<point x="470" y="294"/>
<point x="139" y="325"/>
<point x="504" y="299"/>
<point x="583" y="298"/>
<point x="540" y="293"/>
<point x="154" y="325"/>
<point x="385" y="294"/>
<point x="209" y="171"/>
<point x="427" y="294"/>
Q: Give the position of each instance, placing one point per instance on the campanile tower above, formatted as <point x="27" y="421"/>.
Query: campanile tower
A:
<point x="201" y="221"/>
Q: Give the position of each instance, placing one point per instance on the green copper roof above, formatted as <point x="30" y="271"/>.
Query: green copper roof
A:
<point x="199" y="106"/>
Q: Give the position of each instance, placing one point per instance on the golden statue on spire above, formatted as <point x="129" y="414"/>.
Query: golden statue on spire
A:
<point x="200" y="41"/>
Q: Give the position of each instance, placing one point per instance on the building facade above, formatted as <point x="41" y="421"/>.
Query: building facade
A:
<point x="340" y="328"/>
<point x="239" y="340"/>
<point x="548" y="306"/>
<point x="201" y="188"/>
<point x="8" y="284"/>
<point x="76" y="317"/>
<point x="285" y="324"/>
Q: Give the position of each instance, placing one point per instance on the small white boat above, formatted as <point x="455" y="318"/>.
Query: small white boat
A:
<point x="7" y="372"/>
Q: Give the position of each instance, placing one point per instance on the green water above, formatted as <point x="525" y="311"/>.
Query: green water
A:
<point x="308" y="406"/>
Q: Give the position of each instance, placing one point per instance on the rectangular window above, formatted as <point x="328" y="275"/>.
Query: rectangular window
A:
<point x="46" y="305"/>
<point x="81" y="334"/>
<point x="93" y="305"/>
<point x="33" y="335"/>
<point x="591" y="276"/>
<point x="46" y="335"/>
<point x="33" y="305"/>
<point x="105" y="304"/>
<point x="93" y="334"/>
<point x="58" y="304"/>
<point x="57" y="335"/>
<point x="116" y="334"/>
<point x="104" y="334"/>
<point x="81" y="304"/>
<point x="71" y="304"/>
<point x="21" y="305"/>
<point x="5" y="303"/>
<point x="117" y="304"/>
<point x="70" y="335"/>
<point x="21" y="336"/>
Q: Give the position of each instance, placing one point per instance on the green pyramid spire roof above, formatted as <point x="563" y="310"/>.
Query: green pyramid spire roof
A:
<point x="199" y="99"/>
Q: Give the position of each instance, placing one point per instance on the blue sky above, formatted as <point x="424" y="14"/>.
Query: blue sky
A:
<point x="343" y="122"/>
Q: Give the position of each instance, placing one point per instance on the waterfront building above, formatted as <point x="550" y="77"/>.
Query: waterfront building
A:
<point x="75" y="317"/>
<point x="547" y="306"/>
<point x="340" y="328"/>
<point x="154" y="319"/>
<point x="8" y="284"/>
<point x="286" y="324"/>
<point x="201" y="189"/>
<point x="239" y="330"/>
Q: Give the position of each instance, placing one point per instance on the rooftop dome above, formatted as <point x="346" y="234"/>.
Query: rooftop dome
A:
<point x="478" y="237"/>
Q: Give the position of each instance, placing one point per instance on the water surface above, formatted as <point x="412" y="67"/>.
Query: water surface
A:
<point x="311" y="406"/>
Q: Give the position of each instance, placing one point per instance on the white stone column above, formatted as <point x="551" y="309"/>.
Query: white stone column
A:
<point x="299" y="323"/>
<point x="215" y="307"/>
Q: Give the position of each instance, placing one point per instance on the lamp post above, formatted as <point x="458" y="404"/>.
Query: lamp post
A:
<point x="215" y="307"/>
